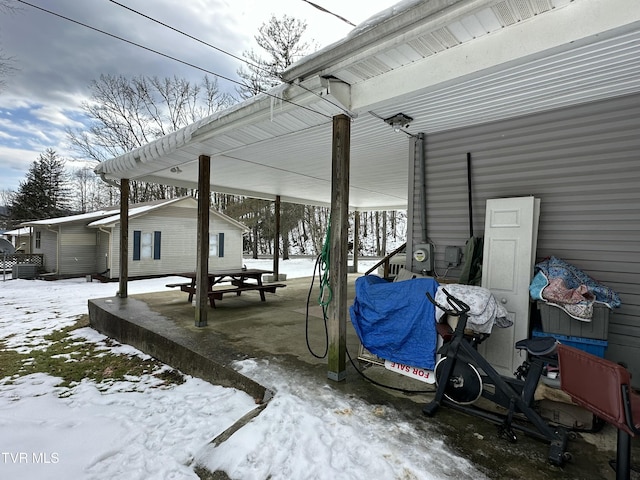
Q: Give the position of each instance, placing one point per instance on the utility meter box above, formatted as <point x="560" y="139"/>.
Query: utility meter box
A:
<point x="423" y="257"/>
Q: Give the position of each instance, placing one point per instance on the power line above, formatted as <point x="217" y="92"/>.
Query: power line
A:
<point x="322" y="9"/>
<point x="244" y="60"/>
<point x="258" y="67"/>
<point x="165" y="55"/>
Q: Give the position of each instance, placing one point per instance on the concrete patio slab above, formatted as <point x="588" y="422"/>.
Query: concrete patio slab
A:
<point x="241" y="327"/>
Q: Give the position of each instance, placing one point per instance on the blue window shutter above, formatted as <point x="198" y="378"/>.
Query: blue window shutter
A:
<point x="221" y="244"/>
<point x="137" y="234"/>
<point x="156" y="245"/>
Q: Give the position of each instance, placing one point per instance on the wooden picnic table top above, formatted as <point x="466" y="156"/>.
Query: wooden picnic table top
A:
<point x="235" y="272"/>
<point x="236" y="276"/>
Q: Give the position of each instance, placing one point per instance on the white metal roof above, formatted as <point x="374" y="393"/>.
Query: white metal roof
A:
<point x="82" y="217"/>
<point x="446" y="63"/>
<point x="136" y="211"/>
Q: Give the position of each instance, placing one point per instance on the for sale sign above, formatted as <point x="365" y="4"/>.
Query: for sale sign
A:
<point x="418" y="373"/>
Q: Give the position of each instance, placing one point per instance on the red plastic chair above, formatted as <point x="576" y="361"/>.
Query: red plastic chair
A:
<point x="604" y="388"/>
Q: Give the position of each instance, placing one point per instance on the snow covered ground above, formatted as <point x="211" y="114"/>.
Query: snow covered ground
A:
<point x="141" y="429"/>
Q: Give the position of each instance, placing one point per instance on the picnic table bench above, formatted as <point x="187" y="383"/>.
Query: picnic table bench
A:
<point x="239" y="284"/>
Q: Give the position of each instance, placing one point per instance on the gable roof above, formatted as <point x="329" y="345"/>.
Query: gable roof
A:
<point x="18" y="232"/>
<point x="81" y="218"/>
<point x="446" y="63"/>
<point x="136" y="211"/>
<point x="111" y="215"/>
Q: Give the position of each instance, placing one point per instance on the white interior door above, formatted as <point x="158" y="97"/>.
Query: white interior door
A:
<point x="510" y="237"/>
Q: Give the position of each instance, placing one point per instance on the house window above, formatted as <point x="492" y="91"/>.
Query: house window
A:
<point x="216" y="244"/>
<point x="38" y="239"/>
<point x="146" y="245"/>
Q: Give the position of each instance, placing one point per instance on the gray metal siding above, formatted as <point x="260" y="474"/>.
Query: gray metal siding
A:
<point x="103" y="252"/>
<point x="48" y="247"/>
<point x="77" y="245"/>
<point x="583" y="163"/>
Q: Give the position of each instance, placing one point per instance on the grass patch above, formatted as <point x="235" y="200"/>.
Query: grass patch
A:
<point x="73" y="359"/>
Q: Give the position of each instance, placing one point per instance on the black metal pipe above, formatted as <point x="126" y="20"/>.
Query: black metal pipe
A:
<point x="469" y="194"/>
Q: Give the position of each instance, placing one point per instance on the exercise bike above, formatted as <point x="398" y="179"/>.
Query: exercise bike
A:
<point x="463" y="376"/>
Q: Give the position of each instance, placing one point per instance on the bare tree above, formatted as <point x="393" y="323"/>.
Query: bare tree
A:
<point x="91" y="193"/>
<point x="7" y="63"/>
<point x="6" y="196"/>
<point x="128" y="113"/>
<point x="281" y="40"/>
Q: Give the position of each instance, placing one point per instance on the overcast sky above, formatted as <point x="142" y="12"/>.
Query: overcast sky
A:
<point x="57" y="59"/>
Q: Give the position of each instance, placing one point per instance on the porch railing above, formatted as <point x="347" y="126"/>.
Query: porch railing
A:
<point x="386" y="262"/>
<point x="9" y="260"/>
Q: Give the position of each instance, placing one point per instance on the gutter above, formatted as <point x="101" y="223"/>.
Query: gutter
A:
<point x="283" y="98"/>
<point x="365" y="40"/>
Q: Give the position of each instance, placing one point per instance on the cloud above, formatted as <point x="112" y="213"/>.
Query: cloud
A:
<point x="57" y="60"/>
<point x="56" y="116"/>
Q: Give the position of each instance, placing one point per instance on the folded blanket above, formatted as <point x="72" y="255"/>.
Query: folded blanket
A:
<point x="563" y="285"/>
<point x="484" y="310"/>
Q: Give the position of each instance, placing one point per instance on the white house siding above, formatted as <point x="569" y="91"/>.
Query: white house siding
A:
<point x="48" y="247"/>
<point x="178" y="227"/>
<point x="77" y="245"/>
<point x="583" y="163"/>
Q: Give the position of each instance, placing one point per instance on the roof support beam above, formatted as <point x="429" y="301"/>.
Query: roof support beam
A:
<point x="337" y="311"/>
<point x="276" y="242"/>
<point x="124" y="238"/>
<point x="202" y="266"/>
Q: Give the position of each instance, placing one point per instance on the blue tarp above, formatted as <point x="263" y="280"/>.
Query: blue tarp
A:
<point x="396" y="320"/>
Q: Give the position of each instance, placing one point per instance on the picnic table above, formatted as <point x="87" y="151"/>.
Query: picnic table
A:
<point x="242" y="280"/>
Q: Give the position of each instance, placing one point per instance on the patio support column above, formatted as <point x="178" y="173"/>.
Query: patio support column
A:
<point x="202" y="262"/>
<point x="124" y="238"/>
<point x="337" y="309"/>
<point x="276" y="242"/>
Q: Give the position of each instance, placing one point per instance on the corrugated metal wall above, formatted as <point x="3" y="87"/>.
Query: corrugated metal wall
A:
<point x="583" y="163"/>
<point x="103" y="252"/>
<point x="48" y="247"/>
<point x="77" y="250"/>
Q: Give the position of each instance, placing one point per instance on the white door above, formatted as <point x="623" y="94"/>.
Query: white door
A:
<point x="510" y="237"/>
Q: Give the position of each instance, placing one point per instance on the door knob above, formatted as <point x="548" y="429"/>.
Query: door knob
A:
<point x="503" y="301"/>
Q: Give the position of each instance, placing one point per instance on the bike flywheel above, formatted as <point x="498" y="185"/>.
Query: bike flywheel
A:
<point x="464" y="385"/>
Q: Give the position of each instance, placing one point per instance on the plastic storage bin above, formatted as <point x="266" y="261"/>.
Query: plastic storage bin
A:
<point x="555" y="320"/>
<point x="589" y="345"/>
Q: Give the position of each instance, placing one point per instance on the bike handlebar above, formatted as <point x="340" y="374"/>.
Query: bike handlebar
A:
<point x="457" y="306"/>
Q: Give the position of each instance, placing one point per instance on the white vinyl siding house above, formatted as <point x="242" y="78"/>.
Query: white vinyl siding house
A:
<point x="163" y="240"/>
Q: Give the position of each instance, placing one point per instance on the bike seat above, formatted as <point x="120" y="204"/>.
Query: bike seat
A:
<point x="538" y="345"/>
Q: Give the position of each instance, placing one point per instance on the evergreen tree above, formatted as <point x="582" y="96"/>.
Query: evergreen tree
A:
<point x="44" y="193"/>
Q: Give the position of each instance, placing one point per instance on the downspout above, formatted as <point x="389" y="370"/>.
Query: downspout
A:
<point x="108" y="181"/>
<point x="114" y="184"/>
